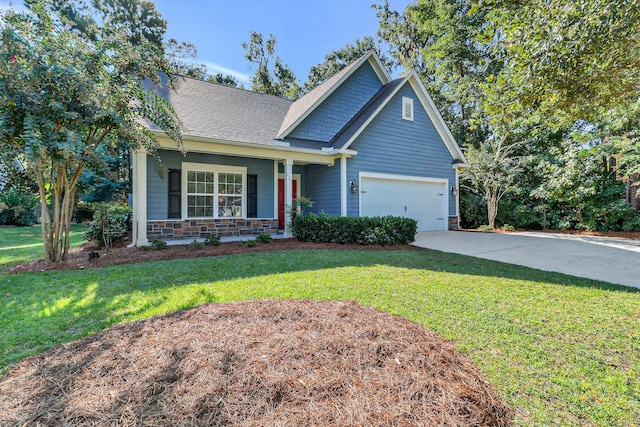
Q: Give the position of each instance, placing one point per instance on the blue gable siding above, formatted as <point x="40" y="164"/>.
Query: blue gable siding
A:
<point x="395" y="146"/>
<point x="336" y="111"/>
<point x="323" y="188"/>
<point x="157" y="186"/>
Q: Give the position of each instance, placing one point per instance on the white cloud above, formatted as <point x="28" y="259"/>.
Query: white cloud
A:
<point x="214" y="68"/>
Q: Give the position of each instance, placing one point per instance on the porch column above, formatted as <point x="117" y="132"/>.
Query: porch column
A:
<point x="288" y="196"/>
<point x="139" y="226"/>
<point x="275" y="189"/>
<point x="343" y="185"/>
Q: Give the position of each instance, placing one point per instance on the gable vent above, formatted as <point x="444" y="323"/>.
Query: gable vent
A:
<point x="407" y="108"/>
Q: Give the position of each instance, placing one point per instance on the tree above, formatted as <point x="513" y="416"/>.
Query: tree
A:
<point x="338" y="59"/>
<point x="491" y="173"/>
<point x="437" y="38"/>
<point x="224" y="79"/>
<point x="63" y="97"/>
<point x="565" y="60"/>
<point x="278" y="80"/>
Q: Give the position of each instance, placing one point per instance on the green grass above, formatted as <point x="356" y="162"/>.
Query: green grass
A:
<point x="23" y="244"/>
<point x="561" y="350"/>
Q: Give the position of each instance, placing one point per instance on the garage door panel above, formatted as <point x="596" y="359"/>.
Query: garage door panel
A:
<point x="421" y="200"/>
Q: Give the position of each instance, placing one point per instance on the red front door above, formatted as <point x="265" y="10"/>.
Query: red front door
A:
<point x="294" y="194"/>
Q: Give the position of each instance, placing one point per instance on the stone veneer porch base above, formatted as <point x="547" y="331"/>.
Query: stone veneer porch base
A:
<point x="199" y="228"/>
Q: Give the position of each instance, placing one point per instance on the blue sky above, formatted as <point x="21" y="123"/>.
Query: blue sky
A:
<point x="306" y="30"/>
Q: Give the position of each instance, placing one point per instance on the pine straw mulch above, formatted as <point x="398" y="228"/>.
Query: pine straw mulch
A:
<point x="275" y="363"/>
<point x="78" y="258"/>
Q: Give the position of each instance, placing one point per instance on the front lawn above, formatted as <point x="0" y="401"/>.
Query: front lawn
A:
<point x="23" y="244"/>
<point x="561" y="350"/>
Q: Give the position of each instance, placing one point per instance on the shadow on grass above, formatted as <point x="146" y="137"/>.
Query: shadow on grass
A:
<point x="40" y="310"/>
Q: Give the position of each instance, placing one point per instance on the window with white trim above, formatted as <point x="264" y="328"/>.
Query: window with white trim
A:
<point x="214" y="191"/>
<point x="407" y="108"/>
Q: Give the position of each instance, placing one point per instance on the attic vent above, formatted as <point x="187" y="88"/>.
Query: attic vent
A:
<point x="407" y="108"/>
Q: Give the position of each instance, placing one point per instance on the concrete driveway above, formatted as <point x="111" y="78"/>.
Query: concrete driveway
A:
<point x="608" y="259"/>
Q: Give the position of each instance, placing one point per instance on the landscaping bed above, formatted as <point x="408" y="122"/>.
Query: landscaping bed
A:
<point x="290" y="362"/>
<point x="120" y="254"/>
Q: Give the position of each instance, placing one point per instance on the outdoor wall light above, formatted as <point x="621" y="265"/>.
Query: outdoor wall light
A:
<point x="353" y="186"/>
<point x="454" y="192"/>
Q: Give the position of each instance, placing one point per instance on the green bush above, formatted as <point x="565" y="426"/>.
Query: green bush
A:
<point x="387" y="230"/>
<point x="17" y="207"/>
<point x="193" y="245"/>
<point x="155" y="245"/>
<point x="485" y="227"/>
<point x="264" y="238"/>
<point x="249" y="243"/>
<point x="111" y="223"/>
<point x="507" y="227"/>
<point x="212" y="240"/>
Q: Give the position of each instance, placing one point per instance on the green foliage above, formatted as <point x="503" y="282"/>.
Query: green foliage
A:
<point x="486" y="227"/>
<point x="249" y="243"/>
<point x="438" y="38"/>
<point x="558" y="59"/>
<point x="338" y="59"/>
<point x="264" y="238"/>
<point x="66" y="95"/>
<point x="212" y="240"/>
<point x="507" y="227"/>
<point x="111" y="223"/>
<point x="387" y="230"/>
<point x="17" y="207"/>
<point x="155" y="245"/>
<point x="278" y="80"/>
<point x="224" y="79"/>
<point x="193" y="245"/>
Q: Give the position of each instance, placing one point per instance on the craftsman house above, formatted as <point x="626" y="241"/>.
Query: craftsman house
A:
<point x="361" y="144"/>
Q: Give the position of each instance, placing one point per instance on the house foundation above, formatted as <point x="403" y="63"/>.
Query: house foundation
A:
<point x="200" y="228"/>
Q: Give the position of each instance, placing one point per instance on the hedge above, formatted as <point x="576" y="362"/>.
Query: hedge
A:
<point x="323" y="228"/>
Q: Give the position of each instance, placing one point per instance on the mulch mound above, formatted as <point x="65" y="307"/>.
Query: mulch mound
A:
<point x="276" y="363"/>
<point x="78" y="258"/>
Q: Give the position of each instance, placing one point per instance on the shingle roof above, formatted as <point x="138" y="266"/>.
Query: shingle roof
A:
<point x="215" y="111"/>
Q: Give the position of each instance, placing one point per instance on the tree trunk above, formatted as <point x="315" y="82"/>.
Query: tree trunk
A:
<point x="492" y="210"/>
<point x="56" y="220"/>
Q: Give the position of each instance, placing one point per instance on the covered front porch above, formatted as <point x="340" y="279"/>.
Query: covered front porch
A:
<point x="222" y="189"/>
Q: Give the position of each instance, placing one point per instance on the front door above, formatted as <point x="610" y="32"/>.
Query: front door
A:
<point x="294" y="194"/>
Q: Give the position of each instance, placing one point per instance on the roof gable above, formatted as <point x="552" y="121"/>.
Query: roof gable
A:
<point x="368" y="114"/>
<point x="304" y="106"/>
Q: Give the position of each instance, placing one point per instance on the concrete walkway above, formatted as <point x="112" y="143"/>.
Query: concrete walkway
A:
<point x="608" y="259"/>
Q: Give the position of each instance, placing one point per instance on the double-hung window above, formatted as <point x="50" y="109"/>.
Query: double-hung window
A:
<point x="213" y="191"/>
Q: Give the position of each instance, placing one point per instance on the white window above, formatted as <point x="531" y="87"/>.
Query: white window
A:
<point x="213" y="191"/>
<point x="407" y="108"/>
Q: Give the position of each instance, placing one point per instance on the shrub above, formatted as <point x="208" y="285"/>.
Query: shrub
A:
<point x="193" y="245"/>
<point x="264" y="238"/>
<point x="17" y="207"/>
<point x="507" y="227"/>
<point x="155" y="245"/>
<point x="212" y="240"/>
<point x="485" y="227"/>
<point x="387" y="230"/>
<point x="249" y="243"/>
<point x="110" y="223"/>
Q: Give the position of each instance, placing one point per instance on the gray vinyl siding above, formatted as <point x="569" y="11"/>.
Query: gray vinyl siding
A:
<point x="395" y="146"/>
<point x="323" y="188"/>
<point x="157" y="186"/>
<point x="336" y="111"/>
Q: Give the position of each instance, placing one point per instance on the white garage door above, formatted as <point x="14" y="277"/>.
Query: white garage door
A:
<point x="422" y="199"/>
